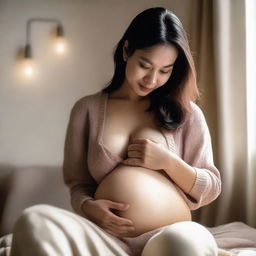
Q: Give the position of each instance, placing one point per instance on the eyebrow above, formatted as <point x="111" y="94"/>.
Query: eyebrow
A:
<point x="147" y="60"/>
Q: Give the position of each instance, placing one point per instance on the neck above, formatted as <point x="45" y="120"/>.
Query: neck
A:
<point x="124" y="92"/>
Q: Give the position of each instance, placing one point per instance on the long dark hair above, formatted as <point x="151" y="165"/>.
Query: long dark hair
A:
<point x="170" y="102"/>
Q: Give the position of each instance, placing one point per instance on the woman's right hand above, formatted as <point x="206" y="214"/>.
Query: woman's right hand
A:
<point x="99" y="211"/>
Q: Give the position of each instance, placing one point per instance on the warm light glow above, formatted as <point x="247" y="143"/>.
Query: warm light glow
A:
<point x="28" y="68"/>
<point x="60" y="48"/>
<point x="60" y="45"/>
<point x="28" y="71"/>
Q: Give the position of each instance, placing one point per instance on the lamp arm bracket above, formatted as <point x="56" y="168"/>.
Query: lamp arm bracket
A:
<point x="33" y="20"/>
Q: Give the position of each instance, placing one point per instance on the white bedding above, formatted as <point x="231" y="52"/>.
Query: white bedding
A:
<point x="236" y="238"/>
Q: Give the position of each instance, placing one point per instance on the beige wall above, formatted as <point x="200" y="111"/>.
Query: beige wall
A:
<point x="34" y="114"/>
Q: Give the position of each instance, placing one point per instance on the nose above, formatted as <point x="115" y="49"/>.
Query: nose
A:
<point x="151" y="78"/>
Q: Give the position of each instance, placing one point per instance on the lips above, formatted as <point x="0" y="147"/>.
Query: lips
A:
<point x="145" y="89"/>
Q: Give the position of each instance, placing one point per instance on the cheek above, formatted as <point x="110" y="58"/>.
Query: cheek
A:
<point x="163" y="80"/>
<point x="133" y="73"/>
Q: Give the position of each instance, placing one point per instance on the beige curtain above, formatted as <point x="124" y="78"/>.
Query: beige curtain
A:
<point x="251" y="108"/>
<point x="219" y="42"/>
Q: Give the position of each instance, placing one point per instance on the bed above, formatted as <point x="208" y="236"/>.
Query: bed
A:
<point x="21" y="187"/>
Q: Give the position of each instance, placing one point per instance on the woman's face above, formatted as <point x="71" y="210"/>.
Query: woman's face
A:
<point x="149" y="68"/>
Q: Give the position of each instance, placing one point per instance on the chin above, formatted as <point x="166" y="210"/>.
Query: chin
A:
<point x="143" y="92"/>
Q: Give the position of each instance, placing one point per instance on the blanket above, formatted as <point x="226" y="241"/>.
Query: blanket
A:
<point x="235" y="238"/>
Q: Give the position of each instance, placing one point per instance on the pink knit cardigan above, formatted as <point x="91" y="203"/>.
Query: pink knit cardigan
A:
<point x="87" y="161"/>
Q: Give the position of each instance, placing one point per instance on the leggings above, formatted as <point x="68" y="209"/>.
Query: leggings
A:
<point x="44" y="230"/>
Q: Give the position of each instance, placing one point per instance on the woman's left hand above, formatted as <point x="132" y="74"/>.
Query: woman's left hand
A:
<point x="147" y="153"/>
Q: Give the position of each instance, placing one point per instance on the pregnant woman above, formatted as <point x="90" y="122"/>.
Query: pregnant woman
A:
<point x="138" y="157"/>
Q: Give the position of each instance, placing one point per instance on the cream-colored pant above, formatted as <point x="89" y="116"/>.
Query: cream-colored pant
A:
<point x="44" y="230"/>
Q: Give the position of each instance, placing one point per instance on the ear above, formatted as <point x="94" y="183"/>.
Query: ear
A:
<point x="125" y="50"/>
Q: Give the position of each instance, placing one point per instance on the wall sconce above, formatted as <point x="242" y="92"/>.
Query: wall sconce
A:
<point x="59" y="44"/>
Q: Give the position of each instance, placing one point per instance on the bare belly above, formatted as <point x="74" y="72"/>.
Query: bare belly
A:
<point x="153" y="199"/>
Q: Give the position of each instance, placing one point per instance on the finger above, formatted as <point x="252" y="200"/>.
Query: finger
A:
<point x="118" y="206"/>
<point x="133" y="161"/>
<point x="119" y="220"/>
<point x="120" y="230"/>
<point x="117" y="228"/>
<point x="118" y="225"/>
<point x="136" y="147"/>
<point x="115" y="234"/>
<point x="134" y="154"/>
<point x="111" y="232"/>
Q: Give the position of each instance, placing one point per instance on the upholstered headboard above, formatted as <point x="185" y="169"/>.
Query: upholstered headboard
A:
<point x="21" y="187"/>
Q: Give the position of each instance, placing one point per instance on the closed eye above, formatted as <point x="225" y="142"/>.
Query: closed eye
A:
<point x="166" y="72"/>
<point x="142" y="66"/>
<point x="163" y="72"/>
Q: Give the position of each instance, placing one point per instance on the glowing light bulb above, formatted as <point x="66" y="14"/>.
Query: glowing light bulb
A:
<point x="60" y="45"/>
<point x="60" y="48"/>
<point x="28" y="68"/>
<point x="28" y="71"/>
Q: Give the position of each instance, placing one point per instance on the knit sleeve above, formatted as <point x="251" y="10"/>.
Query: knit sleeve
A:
<point x="75" y="170"/>
<point x="197" y="152"/>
